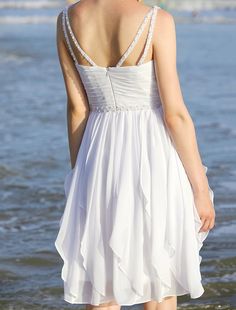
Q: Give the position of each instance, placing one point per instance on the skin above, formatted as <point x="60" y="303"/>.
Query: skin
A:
<point x="105" y="29"/>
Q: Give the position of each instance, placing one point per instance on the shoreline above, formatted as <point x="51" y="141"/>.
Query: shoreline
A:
<point x="20" y="20"/>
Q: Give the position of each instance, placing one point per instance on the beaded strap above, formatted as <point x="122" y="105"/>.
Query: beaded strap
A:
<point x="74" y="39"/>
<point x="117" y="108"/>
<point x="66" y="36"/>
<point x="135" y="40"/>
<point x="149" y="37"/>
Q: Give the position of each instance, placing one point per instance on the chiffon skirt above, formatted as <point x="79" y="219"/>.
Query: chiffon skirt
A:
<point x="129" y="232"/>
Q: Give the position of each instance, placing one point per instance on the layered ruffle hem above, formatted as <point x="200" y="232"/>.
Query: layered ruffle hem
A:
<point x="130" y="229"/>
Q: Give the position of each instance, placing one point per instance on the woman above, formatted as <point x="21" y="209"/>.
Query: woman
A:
<point x="139" y="205"/>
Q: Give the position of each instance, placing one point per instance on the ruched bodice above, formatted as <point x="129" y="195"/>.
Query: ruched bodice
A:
<point x="129" y="232"/>
<point x="120" y="88"/>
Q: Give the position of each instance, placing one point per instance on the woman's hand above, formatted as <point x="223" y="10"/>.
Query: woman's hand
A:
<point x="205" y="210"/>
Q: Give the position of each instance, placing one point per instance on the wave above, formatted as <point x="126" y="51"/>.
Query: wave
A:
<point x="30" y="4"/>
<point x="27" y="19"/>
<point x="219" y="19"/>
<point x="201" y="5"/>
<point x="176" y="5"/>
<point x="37" y="19"/>
<point x="8" y="57"/>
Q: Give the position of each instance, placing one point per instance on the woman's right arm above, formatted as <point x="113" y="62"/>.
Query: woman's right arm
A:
<point x="77" y="102"/>
<point x="176" y="116"/>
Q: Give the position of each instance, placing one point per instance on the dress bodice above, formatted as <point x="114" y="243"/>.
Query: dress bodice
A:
<point x="123" y="88"/>
<point x="119" y="87"/>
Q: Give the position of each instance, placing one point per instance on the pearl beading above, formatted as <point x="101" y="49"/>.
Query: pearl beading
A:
<point x="118" y="108"/>
<point x="74" y="39"/>
<point x="66" y="36"/>
<point x="135" y="40"/>
<point x="149" y="37"/>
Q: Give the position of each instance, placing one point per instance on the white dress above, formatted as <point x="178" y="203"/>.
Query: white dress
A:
<point x="130" y="229"/>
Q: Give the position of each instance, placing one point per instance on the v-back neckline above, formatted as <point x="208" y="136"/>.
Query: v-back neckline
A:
<point x="133" y="42"/>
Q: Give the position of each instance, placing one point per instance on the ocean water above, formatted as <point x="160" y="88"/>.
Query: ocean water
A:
<point x="35" y="159"/>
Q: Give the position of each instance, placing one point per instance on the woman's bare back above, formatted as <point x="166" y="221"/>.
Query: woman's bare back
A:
<point x="105" y="29"/>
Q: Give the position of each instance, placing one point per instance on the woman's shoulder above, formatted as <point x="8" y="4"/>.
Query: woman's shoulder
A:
<point x="164" y="16"/>
<point x="165" y="22"/>
<point x="164" y="32"/>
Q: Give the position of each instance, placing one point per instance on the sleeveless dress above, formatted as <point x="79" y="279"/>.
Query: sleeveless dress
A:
<point x="130" y="229"/>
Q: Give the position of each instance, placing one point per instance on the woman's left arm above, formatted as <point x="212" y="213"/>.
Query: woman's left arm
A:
<point x="177" y="117"/>
<point x="77" y="102"/>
